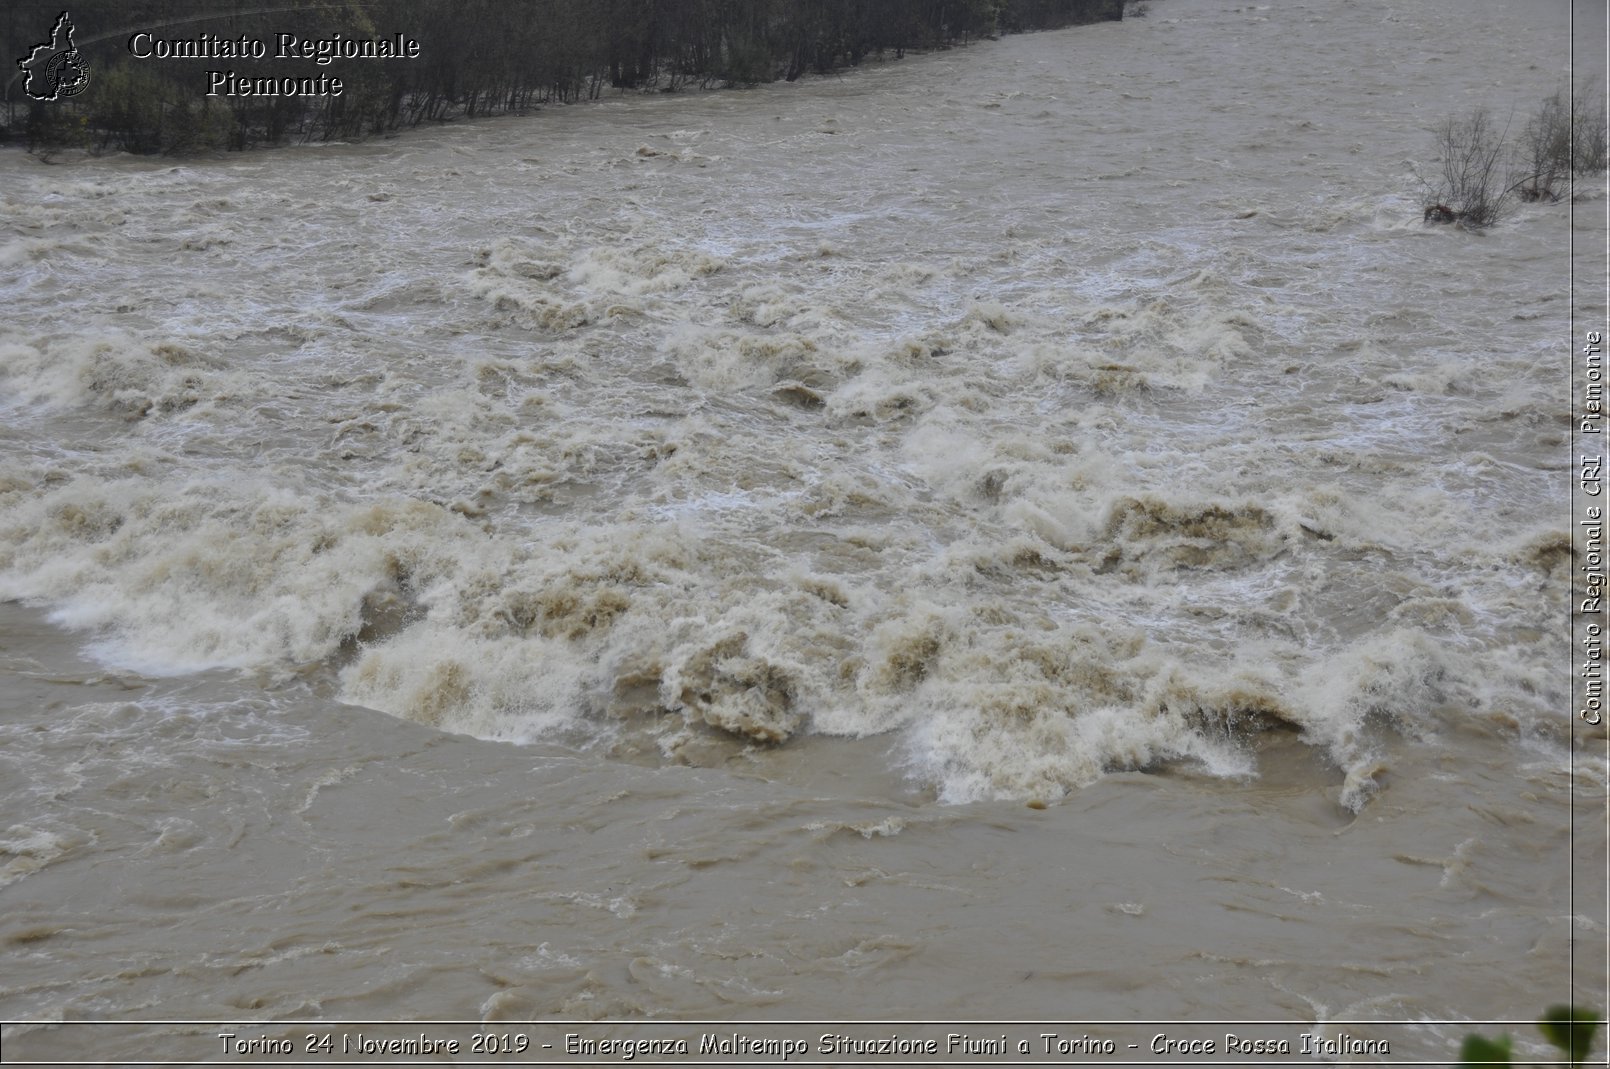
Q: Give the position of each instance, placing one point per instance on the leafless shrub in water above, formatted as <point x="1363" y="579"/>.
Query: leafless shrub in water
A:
<point x="1471" y="187"/>
<point x="1480" y="170"/>
<point x="1589" y="130"/>
<point x="1545" y="150"/>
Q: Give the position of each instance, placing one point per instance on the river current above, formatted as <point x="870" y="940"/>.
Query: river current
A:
<point x="1041" y="530"/>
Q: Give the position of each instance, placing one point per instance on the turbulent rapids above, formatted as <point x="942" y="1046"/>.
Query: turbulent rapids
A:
<point x="597" y="475"/>
<point x="986" y="427"/>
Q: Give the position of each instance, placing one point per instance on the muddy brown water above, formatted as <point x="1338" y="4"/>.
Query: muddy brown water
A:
<point x="1035" y="531"/>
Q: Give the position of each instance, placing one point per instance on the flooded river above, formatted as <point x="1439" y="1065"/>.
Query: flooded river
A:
<point x="1036" y="531"/>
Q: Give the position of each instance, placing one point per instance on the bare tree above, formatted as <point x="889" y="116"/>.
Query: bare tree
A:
<point x="1472" y="186"/>
<point x="1588" y="130"/>
<point x="1481" y="170"/>
<point x="1545" y="150"/>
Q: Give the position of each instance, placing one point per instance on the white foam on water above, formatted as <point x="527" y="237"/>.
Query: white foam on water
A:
<point x="660" y="463"/>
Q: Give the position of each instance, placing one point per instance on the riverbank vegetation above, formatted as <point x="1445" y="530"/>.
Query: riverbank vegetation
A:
<point x="1569" y="1029"/>
<point x="476" y="57"/>
<point x="1484" y="166"/>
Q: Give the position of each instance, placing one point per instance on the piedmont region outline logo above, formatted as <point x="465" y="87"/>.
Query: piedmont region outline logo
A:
<point x="55" y="69"/>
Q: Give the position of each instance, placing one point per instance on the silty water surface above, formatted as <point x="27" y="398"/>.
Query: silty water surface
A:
<point x="641" y="558"/>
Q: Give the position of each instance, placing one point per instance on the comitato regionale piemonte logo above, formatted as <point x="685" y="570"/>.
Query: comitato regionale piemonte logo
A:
<point x="55" y="69"/>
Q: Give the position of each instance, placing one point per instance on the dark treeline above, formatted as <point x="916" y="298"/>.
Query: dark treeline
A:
<point x="477" y="57"/>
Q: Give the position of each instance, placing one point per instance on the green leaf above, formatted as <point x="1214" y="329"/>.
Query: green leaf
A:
<point x="1479" y="1050"/>
<point x="1571" y="1029"/>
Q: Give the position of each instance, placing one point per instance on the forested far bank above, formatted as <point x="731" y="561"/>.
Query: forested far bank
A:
<point x="201" y="79"/>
